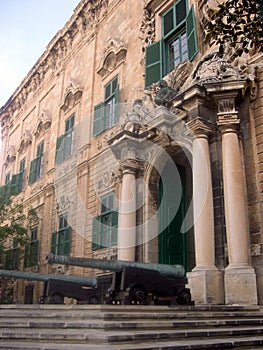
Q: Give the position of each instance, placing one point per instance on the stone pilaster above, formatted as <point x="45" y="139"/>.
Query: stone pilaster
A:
<point x="206" y="281"/>
<point x="240" y="278"/>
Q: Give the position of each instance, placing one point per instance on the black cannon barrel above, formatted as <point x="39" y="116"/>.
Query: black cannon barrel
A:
<point x="171" y="271"/>
<point x="88" y="281"/>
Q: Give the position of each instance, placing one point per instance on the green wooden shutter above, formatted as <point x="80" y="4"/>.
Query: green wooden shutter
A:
<point x="40" y="149"/>
<point x="191" y="34"/>
<point x="59" y="149"/>
<point x="67" y="235"/>
<point x="54" y="243"/>
<point x="34" y="253"/>
<point x="95" y="232"/>
<point x="117" y="105"/>
<point x="32" y="172"/>
<point x="26" y="256"/>
<point x="14" y="184"/>
<point x="98" y="119"/>
<point x="153" y="69"/>
<point x="180" y="12"/>
<point x="114" y="234"/>
<point x="168" y="21"/>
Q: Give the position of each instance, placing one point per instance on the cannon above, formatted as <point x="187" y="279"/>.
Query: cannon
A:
<point x="136" y="282"/>
<point x="56" y="287"/>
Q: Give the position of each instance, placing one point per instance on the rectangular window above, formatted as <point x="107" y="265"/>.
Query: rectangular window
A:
<point x="178" y="43"/>
<point x="60" y="243"/>
<point x="105" y="226"/>
<point x="12" y="257"/>
<point x="36" y="165"/>
<point x="21" y="175"/>
<point x="64" y="147"/>
<point x="106" y="113"/>
<point x="31" y="250"/>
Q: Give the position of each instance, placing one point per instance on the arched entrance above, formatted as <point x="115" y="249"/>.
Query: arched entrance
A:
<point x="172" y="204"/>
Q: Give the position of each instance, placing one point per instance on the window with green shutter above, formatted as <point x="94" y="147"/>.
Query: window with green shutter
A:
<point x="60" y="240"/>
<point x="64" y="146"/>
<point x="106" y="113"/>
<point x="178" y="43"/>
<point x="31" y="250"/>
<point x="21" y="175"/>
<point x="36" y="165"/>
<point x="12" y="257"/>
<point x="105" y="226"/>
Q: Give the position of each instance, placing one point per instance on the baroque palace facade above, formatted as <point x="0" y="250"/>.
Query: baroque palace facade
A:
<point x="133" y="139"/>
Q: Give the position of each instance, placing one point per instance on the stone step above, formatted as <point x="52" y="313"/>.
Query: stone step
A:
<point x="185" y="344"/>
<point x="113" y="312"/>
<point x="129" y="327"/>
<point x="83" y="335"/>
<point x="126" y="324"/>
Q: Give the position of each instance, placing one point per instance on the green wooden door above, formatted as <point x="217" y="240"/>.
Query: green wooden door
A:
<point x="171" y="200"/>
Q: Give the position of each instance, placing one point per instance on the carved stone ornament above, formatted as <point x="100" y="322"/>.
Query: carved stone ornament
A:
<point x="72" y="95"/>
<point x="147" y="27"/>
<point x="26" y="141"/>
<point x="64" y="203"/>
<point x="177" y="77"/>
<point x="113" y="55"/>
<point x="214" y="68"/>
<point x="44" y="121"/>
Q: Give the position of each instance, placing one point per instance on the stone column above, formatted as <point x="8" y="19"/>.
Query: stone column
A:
<point x="127" y="212"/>
<point x="206" y="281"/>
<point x="240" y="278"/>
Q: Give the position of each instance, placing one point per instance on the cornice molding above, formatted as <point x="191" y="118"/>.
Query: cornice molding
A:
<point x="86" y="16"/>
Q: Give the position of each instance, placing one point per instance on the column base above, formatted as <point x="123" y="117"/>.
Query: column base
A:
<point x="206" y="286"/>
<point x="240" y="286"/>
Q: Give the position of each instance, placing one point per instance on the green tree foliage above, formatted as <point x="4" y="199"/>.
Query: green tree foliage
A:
<point x="237" y="24"/>
<point x="14" y="224"/>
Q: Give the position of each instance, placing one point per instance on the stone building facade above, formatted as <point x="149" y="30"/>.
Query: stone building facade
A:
<point x="133" y="139"/>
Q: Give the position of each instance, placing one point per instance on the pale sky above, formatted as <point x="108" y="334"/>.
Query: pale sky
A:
<point x="26" y="28"/>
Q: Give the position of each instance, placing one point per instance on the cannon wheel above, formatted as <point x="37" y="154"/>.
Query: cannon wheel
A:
<point x="184" y="297"/>
<point x="138" y="295"/>
<point x="56" y="299"/>
<point x="93" y="300"/>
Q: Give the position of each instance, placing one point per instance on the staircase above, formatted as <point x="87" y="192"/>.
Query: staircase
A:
<point x="73" y="327"/>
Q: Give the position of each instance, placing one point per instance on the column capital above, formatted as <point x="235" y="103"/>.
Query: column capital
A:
<point x="199" y="128"/>
<point x="227" y="115"/>
<point x="229" y="126"/>
<point x="130" y="166"/>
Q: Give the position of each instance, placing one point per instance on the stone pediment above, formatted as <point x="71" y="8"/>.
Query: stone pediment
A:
<point x="11" y="155"/>
<point x="26" y="140"/>
<point x="72" y="95"/>
<point x="43" y="123"/>
<point x="113" y="55"/>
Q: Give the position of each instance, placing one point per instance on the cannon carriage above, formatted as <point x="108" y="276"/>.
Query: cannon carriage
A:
<point x="136" y="282"/>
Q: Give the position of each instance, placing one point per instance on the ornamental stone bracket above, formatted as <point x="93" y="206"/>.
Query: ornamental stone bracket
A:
<point x="113" y="55"/>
